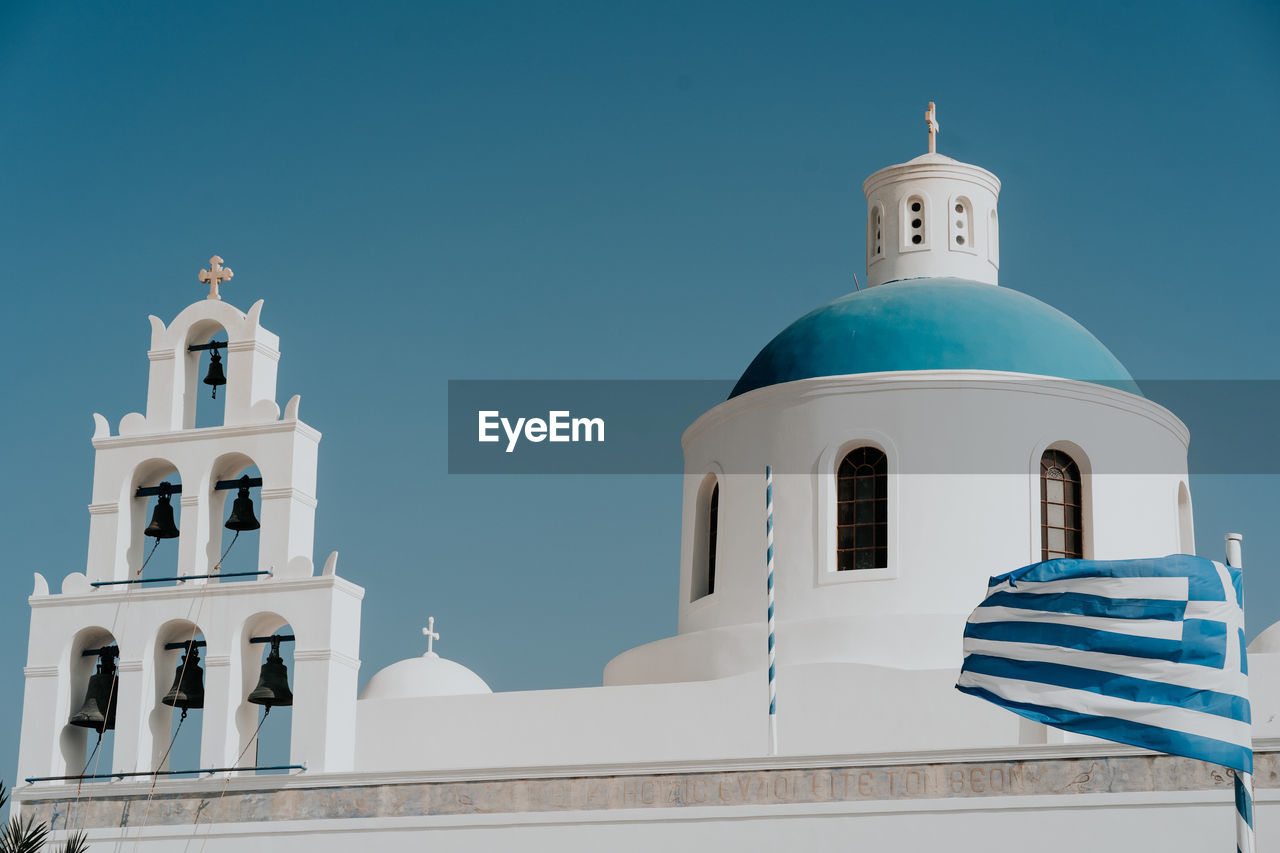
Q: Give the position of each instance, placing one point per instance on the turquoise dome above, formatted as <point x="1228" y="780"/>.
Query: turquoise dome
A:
<point x="935" y="324"/>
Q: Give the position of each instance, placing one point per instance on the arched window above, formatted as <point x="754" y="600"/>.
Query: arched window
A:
<point x="706" y="539"/>
<point x="993" y="240"/>
<point x="875" y="233"/>
<point x="1186" y="530"/>
<point x="1061" y="507"/>
<point x="713" y="535"/>
<point x="862" y="510"/>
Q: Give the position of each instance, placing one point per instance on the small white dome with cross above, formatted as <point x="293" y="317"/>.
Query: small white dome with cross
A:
<point x="424" y="676"/>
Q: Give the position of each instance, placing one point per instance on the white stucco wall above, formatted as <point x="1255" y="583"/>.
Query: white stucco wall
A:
<point x="963" y="452"/>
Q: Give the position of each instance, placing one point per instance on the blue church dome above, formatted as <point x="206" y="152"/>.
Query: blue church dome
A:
<point x="935" y="324"/>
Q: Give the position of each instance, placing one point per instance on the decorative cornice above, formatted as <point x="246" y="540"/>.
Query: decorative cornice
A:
<point x="204" y="433"/>
<point x="129" y="665"/>
<point x="40" y="671"/>
<point x="327" y="655"/>
<point x="103" y="509"/>
<point x="217" y="660"/>
<point x="289" y="493"/>
<point x="941" y="167"/>
<point x="113" y="595"/>
<point x="256" y="346"/>
<point x="903" y="380"/>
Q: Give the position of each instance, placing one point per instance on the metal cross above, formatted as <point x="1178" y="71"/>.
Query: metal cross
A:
<point x="430" y="633"/>
<point x="215" y="275"/>
<point x="931" y="119"/>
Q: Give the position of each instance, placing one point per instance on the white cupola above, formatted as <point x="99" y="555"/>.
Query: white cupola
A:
<point x="423" y="677"/>
<point x="932" y="217"/>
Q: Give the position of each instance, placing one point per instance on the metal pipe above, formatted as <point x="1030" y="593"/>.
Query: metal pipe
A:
<point x="96" y="584"/>
<point x="281" y="638"/>
<point x="224" y="485"/>
<point x="33" y="779"/>
<point x="190" y="644"/>
<point x="210" y="345"/>
<point x="148" y="491"/>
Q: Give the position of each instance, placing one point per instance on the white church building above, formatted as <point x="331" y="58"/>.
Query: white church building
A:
<point x="924" y="433"/>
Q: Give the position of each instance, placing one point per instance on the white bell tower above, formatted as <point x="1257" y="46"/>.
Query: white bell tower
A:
<point x="932" y="217"/>
<point x="112" y="604"/>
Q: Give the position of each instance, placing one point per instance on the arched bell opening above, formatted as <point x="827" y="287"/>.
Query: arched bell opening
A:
<point x="264" y="718"/>
<point x="235" y="514"/>
<point x="154" y="521"/>
<point x="176" y="721"/>
<point x="205" y="375"/>
<point x="90" y="701"/>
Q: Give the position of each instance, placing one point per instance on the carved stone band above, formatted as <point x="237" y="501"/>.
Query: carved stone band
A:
<point x="961" y="780"/>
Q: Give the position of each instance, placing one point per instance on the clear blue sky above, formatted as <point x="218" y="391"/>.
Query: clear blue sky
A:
<point x="430" y="191"/>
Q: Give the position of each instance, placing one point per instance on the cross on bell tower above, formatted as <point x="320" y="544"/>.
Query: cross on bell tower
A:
<point x="215" y="275"/>
<point x="931" y="121"/>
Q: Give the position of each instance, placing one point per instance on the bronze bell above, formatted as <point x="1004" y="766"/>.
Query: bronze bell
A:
<point x="242" y="517"/>
<point x="273" y="681"/>
<point x="215" y="376"/>
<point x="162" y="526"/>
<point x="188" y="682"/>
<point x="99" y="709"/>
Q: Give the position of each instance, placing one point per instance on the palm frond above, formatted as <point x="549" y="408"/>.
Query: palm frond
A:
<point x="4" y="795"/>
<point x="23" y="836"/>
<point x="77" y="842"/>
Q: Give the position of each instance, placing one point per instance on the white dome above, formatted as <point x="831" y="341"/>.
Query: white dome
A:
<point x="429" y="675"/>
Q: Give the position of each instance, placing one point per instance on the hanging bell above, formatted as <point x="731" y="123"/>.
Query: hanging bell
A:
<point x="162" y="526"/>
<point x="215" y="376"/>
<point x="242" y="517"/>
<point x="273" y="681"/>
<point x="99" y="709"/>
<point x="188" y="682"/>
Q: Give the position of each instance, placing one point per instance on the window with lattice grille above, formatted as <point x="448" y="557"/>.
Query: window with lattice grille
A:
<point x="862" y="510"/>
<point x="1061" y="507"/>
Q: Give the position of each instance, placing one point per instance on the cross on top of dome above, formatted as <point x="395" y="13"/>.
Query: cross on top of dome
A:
<point x="431" y="634"/>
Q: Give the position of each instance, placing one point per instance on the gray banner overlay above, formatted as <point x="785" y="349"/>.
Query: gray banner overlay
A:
<point x="634" y="426"/>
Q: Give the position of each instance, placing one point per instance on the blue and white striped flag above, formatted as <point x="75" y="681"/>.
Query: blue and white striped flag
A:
<point x="1144" y="652"/>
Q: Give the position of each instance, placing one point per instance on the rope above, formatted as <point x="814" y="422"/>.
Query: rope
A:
<point x="253" y="740"/>
<point x="156" y="773"/>
<point x="121" y="609"/>
<point x="85" y="769"/>
<point x="148" y="560"/>
<point x="218" y="566"/>
<point x="198" y="607"/>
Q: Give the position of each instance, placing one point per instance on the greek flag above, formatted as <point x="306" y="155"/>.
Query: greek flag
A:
<point x="1144" y="652"/>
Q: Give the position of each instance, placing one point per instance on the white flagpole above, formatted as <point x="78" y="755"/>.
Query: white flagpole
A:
<point x="773" y="685"/>
<point x="1242" y="782"/>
